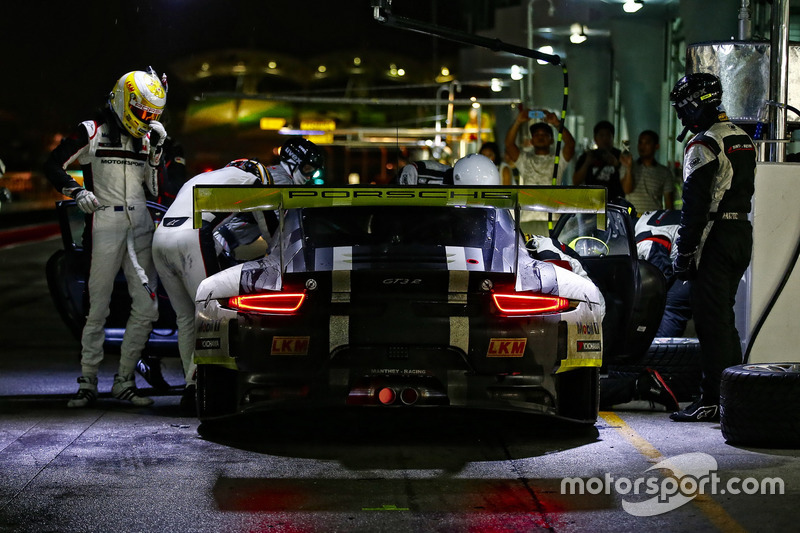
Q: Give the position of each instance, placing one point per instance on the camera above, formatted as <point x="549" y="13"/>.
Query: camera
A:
<point x="536" y="114"/>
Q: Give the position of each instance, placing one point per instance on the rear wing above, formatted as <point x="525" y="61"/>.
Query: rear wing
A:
<point x="547" y="199"/>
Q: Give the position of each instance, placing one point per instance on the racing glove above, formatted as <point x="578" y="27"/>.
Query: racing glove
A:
<point x="86" y="200"/>
<point x="157" y="137"/>
<point x="684" y="267"/>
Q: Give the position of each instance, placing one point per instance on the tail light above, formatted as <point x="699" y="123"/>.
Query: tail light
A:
<point x="529" y="304"/>
<point x="280" y="303"/>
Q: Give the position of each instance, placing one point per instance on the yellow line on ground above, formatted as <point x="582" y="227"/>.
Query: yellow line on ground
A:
<point x="713" y="510"/>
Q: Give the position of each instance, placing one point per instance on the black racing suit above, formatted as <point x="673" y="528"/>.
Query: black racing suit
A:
<point x="718" y="185"/>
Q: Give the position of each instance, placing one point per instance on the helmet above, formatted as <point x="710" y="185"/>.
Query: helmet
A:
<point x="137" y="98"/>
<point x="475" y="169"/>
<point x="303" y="159"/>
<point x="696" y="99"/>
<point x="253" y="167"/>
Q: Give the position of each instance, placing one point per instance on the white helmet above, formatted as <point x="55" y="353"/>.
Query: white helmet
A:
<point x="475" y="169"/>
<point x="137" y="98"/>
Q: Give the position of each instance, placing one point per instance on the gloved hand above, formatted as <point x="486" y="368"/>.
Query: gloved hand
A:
<point x="684" y="267"/>
<point x="157" y="137"/>
<point x="157" y="134"/>
<point x="87" y="201"/>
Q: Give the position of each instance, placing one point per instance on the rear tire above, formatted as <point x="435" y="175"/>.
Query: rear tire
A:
<point x="760" y="405"/>
<point x="217" y="392"/>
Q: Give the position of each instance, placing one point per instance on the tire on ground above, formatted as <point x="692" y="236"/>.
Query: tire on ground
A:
<point x="677" y="359"/>
<point x="760" y="405"/>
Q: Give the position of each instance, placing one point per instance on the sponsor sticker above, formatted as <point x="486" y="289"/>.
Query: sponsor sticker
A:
<point x="290" y="345"/>
<point x="507" y="347"/>
<point x="588" y="328"/>
<point x="208" y="344"/>
<point x="588" y="346"/>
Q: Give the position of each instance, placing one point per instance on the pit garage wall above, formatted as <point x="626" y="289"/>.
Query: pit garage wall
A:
<point x="776" y="231"/>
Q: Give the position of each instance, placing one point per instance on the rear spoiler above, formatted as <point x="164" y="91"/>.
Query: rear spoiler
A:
<point x="547" y="199"/>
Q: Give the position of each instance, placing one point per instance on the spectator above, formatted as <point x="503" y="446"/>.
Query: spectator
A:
<point x="601" y="166"/>
<point x="647" y="184"/>
<point x="492" y="151"/>
<point x="536" y="166"/>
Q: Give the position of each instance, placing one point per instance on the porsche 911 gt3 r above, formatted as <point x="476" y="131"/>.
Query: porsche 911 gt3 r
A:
<point x="399" y="297"/>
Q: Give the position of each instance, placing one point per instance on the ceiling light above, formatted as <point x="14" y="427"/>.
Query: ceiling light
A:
<point x="516" y="72"/>
<point x="577" y="35"/>
<point x="632" y="6"/>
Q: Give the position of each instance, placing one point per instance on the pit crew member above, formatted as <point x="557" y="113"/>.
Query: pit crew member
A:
<point x="715" y="239"/>
<point x="185" y="256"/>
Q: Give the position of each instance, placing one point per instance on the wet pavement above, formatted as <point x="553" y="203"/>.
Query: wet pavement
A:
<point x="113" y="467"/>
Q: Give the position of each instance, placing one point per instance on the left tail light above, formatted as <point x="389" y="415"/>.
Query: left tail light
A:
<point x="529" y="304"/>
<point x="280" y="303"/>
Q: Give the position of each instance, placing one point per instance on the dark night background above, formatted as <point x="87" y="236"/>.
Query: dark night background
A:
<point x="60" y="59"/>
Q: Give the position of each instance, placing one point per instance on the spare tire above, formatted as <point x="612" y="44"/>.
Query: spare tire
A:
<point x="677" y="359"/>
<point x="760" y="405"/>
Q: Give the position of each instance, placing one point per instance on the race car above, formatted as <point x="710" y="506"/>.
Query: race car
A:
<point x="411" y="297"/>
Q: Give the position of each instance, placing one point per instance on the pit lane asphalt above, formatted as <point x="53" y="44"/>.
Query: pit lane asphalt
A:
<point x="117" y="468"/>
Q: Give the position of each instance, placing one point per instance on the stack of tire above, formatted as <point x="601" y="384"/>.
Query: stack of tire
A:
<point x="677" y="359"/>
<point x="760" y="405"/>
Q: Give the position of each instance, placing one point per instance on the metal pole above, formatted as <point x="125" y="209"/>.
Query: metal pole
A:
<point x="779" y="78"/>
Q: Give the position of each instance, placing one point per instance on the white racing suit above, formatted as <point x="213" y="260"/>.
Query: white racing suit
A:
<point x="116" y="169"/>
<point x="185" y="256"/>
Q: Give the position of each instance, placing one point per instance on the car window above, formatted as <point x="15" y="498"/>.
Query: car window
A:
<point x="354" y="226"/>
<point x="580" y="232"/>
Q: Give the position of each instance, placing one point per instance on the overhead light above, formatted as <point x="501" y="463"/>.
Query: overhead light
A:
<point x="577" y="34"/>
<point x="516" y="72"/>
<point x="632" y="6"/>
<point x="497" y="85"/>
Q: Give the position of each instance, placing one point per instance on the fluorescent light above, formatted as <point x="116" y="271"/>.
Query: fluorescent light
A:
<point x="632" y="6"/>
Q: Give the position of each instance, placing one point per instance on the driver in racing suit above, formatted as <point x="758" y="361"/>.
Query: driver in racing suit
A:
<point x="715" y="239"/>
<point x="119" y="153"/>
<point x="185" y="256"/>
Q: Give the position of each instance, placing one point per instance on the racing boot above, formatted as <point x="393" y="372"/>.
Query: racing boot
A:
<point x="87" y="392"/>
<point x="652" y="387"/>
<point x="150" y="369"/>
<point x="701" y="410"/>
<point x="124" y="388"/>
